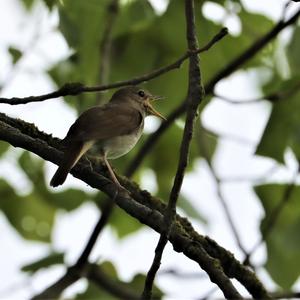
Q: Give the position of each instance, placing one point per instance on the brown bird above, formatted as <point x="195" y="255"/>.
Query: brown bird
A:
<point x="113" y="128"/>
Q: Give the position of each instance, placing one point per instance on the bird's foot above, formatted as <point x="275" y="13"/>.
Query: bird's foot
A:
<point x="88" y="163"/>
<point x="120" y="190"/>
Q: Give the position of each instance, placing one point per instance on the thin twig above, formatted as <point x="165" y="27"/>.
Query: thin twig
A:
<point x="229" y="218"/>
<point x="75" y="88"/>
<point x="105" y="214"/>
<point x="273" y="97"/>
<point x="106" y="44"/>
<point x="195" y="96"/>
<point x="287" y="294"/>
<point x="255" y="180"/>
<point x="251" y="51"/>
<point x="54" y="291"/>
<point x="230" y="68"/>
<point x="183" y="275"/>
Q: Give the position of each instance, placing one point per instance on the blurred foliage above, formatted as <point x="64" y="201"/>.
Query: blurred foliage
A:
<point x="283" y="127"/>
<point x="53" y="258"/>
<point x="3" y="147"/>
<point x="142" y="40"/>
<point x="136" y="285"/>
<point x="16" y="54"/>
<point x="283" y="246"/>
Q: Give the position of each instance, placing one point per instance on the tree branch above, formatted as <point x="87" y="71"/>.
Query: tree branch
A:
<point x="105" y="214"/>
<point x="54" y="291"/>
<point x="75" y="88"/>
<point x="195" y="95"/>
<point x="251" y="51"/>
<point x="230" y="68"/>
<point x="107" y="210"/>
<point x="139" y="204"/>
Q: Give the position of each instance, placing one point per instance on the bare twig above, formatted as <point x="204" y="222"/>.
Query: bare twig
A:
<point x="203" y="149"/>
<point x="183" y="275"/>
<point x="230" y="68"/>
<point x="71" y="89"/>
<point x="251" y="51"/>
<point x="106" y="43"/>
<point x="273" y="97"/>
<point x="53" y="291"/>
<point x="255" y="180"/>
<point x="288" y="294"/>
<point x="195" y="95"/>
<point x="105" y="214"/>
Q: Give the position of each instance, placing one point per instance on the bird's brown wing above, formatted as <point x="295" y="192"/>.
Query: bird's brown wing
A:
<point x="101" y="122"/>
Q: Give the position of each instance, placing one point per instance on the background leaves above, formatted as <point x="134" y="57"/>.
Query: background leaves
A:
<point x="143" y="40"/>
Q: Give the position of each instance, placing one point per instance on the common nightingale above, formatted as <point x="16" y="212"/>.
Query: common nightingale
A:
<point x="113" y="129"/>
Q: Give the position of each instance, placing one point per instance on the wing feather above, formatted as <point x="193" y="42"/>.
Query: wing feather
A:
<point x="101" y="122"/>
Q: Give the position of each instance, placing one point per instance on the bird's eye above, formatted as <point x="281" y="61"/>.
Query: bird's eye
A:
<point x="141" y="93"/>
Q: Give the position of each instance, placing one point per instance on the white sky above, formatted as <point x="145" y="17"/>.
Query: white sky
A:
<point x="133" y="254"/>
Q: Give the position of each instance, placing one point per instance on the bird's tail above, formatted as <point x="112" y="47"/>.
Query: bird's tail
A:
<point x="71" y="156"/>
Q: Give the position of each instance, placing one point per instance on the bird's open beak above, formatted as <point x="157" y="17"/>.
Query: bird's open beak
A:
<point x="151" y="109"/>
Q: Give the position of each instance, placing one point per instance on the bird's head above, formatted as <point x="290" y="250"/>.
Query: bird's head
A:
<point x="140" y="97"/>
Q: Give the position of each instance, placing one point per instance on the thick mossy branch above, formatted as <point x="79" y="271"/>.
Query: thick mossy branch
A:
<point x="139" y="204"/>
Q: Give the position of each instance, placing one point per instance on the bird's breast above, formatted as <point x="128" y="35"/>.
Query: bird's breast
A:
<point x="120" y="145"/>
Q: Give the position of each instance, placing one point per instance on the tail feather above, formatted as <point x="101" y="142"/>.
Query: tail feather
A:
<point x="71" y="156"/>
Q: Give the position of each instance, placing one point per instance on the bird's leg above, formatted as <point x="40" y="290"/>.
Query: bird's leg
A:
<point x="112" y="174"/>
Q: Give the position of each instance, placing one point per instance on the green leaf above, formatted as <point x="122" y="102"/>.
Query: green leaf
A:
<point x="137" y="284"/>
<point x="67" y="200"/>
<point x="15" y="53"/>
<point x="82" y="24"/>
<point x="93" y="292"/>
<point x="3" y="147"/>
<point x="203" y="144"/>
<point x="133" y="16"/>
<point x="293" y="52"/>
<point x="282" y="129"/>
<point x="29" y="215"/>
<point x="33" y="168"/>
<point x="123" y="223"/>
<point x="54" y="258"/>
<point x="164" y="163"/>
<point x="28" y="3"/>
<point x="51" y="3"/>
<point x="253" y="23"/>
<point x="283" y="243"/>
<point x="190" y="209"/>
